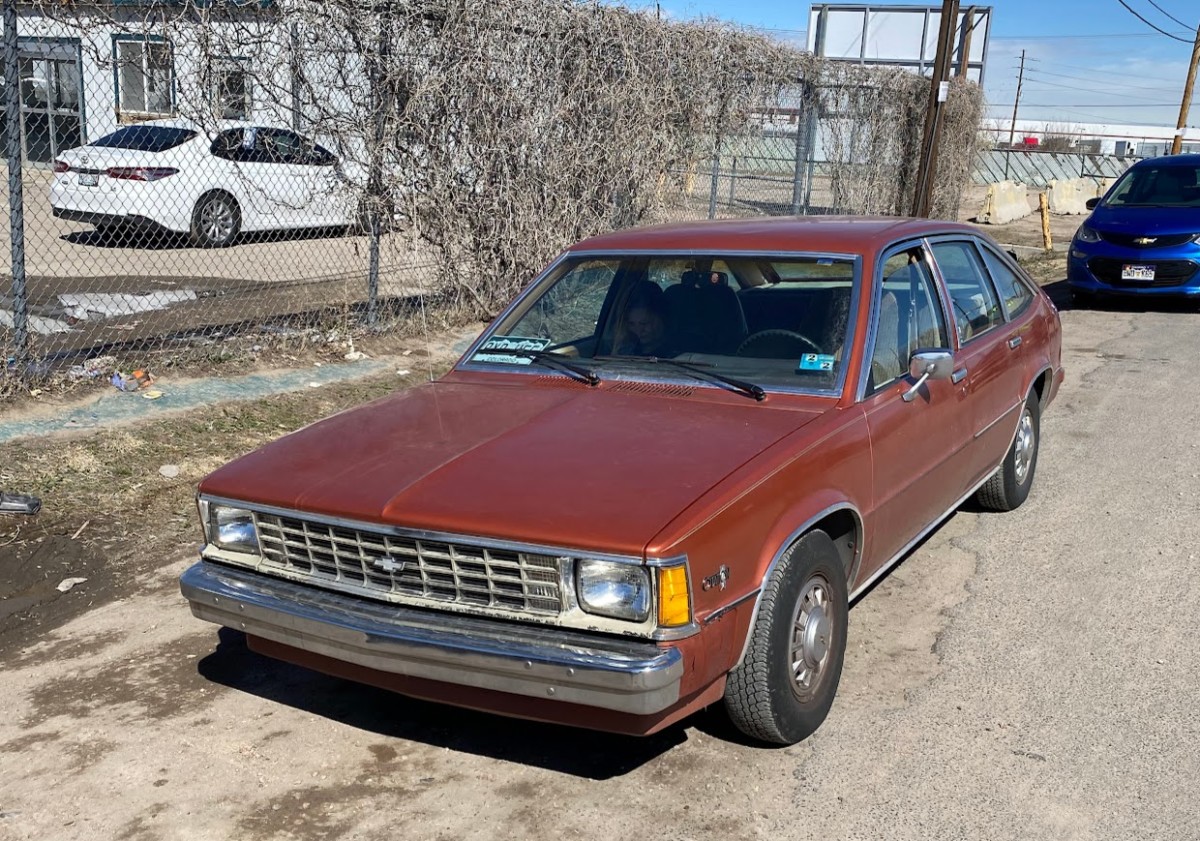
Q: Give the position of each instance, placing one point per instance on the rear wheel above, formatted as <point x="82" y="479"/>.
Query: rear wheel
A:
<point x="216" y="221"/>
<point x="1009" y="485"/>
<point x="784" y="687"/>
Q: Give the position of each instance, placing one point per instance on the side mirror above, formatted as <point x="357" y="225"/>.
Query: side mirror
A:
<point x="1090" y="204"/>
<point x="928" y="365"/>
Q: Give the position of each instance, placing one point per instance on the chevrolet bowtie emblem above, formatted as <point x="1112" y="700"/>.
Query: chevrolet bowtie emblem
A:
<point x="1146" y="240"/>
<point x="388" y="564"/>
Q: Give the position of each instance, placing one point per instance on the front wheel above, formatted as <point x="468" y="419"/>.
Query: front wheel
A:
<point x="215" y="221"/>
<point x="1009" y="486"/>
<point x="784" y="687"/>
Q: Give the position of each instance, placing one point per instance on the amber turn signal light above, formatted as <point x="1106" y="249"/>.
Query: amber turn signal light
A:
<point x="674" y="602"/>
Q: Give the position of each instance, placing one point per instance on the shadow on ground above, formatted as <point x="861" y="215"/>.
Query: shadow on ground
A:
<point x="155" y="238"/>
<point x="580" y="753"/>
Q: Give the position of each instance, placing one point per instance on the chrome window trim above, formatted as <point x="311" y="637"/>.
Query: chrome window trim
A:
<point x="834" y="391"/>
<point x="987" y="278"/>
<point x="1018" y="273"/>
<point x="864" y="372"/>
<point x="787" y="544"/>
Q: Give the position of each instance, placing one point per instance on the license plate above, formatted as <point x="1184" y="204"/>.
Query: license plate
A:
<point x="88" y="179"/>
<point x="1130" y="272"/>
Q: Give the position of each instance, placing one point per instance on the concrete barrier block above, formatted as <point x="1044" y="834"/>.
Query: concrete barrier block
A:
<point x="1006" y="201"/>
<point x="1069" y="197"/>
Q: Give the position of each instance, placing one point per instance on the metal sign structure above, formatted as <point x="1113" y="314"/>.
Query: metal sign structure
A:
<point x="899" y="36"/>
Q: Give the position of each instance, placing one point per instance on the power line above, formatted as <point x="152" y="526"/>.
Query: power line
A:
<point x="1086" y="79"/>
<point x="1060" y="86"/>
<point x="1149" y="24"/>
<point x="1168" y="14"/>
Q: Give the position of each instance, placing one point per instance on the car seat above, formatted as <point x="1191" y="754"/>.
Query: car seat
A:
<point x="706" y="315"/>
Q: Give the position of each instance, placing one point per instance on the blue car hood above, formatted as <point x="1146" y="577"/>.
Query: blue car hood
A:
<point x="1148" y="221"/>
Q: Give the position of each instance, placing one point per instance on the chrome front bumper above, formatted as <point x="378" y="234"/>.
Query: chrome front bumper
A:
<point x="630" y="676"/>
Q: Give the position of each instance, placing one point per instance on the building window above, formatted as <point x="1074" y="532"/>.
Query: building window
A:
<point x="231" y="89"/>
<point x="145" y="77"/>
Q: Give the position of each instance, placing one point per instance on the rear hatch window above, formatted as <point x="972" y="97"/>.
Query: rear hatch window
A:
<point x="146" y="138"/>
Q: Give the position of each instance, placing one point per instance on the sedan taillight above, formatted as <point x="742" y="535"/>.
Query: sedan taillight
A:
<point x="62" y="166"/>
<point x="140" y="173"/>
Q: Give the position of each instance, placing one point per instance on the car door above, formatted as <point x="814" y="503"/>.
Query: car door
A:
<point x="988" y="355"/>
<point x="919" y="448"/>
<point x="251" y="177"/>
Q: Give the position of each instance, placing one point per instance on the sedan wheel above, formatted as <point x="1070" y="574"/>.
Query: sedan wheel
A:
<point x="784" y="687"/>
<point x="215" y="221"/>
<point x="1009" y="485"/>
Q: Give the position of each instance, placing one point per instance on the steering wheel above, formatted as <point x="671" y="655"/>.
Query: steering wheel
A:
<point x="777" y="344"/>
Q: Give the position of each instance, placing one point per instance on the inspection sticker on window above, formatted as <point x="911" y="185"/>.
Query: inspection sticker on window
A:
<point x="517" y="350"/>
<point x="816" y="362"/>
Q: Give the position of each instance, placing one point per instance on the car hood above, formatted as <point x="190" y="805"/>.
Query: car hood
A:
<point x="558" y="464"/>
<point x="1148" y="221"/>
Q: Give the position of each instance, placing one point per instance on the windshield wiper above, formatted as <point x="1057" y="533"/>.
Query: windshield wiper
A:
<point x="749" y="389"/>
<point x="554" y="360"/>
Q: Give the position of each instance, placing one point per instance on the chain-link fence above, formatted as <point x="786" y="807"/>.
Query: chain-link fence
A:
<point x="193" y="167"/>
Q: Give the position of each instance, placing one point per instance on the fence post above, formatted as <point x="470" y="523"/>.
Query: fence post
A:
<point x="16" y="196"/>
<point x="801" y="154"/>
<point x="380" y="101"/>
<point x="716" y="178"/>
<point x="732" y="181"/>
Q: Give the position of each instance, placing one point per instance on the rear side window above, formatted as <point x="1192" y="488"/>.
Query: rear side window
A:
<point x="146" y="138"/>
<point x="1013" y="292"/>
<point x="976" y="309"/>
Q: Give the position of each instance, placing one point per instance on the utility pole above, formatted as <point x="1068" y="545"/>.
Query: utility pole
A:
<point x="938" y="91"/>
<point x="1177" y="146"/>
<point x="1012" y="130"/>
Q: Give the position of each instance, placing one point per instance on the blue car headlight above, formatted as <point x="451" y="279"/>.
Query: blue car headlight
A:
<point x="1086" y="234"/>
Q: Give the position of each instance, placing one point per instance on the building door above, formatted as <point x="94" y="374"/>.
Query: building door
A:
<point x="51" y="98"/>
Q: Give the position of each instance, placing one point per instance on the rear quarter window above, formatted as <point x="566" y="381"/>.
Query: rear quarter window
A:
<point x="146" y="138"/>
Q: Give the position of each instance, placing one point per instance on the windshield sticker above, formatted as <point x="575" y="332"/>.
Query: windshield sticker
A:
<point x="816" y="362"/>
<point x="516" y="350"/>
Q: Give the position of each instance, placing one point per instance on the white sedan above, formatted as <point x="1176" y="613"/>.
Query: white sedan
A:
<point x="209" y="183"/>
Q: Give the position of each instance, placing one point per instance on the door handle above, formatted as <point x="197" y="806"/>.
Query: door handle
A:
<point x="958" y="376"/>
<point x="1014" y="342"/>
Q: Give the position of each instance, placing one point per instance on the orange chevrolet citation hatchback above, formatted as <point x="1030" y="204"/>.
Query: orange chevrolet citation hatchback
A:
<point x="656" y="482"/>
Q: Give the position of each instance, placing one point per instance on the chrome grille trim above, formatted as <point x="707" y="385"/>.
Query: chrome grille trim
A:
<point x="396" y="567"/>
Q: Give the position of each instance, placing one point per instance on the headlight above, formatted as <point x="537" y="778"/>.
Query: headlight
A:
<point x="621" y="591"/>
<point x="1086" y="234"/>
<point x="232" y="528"/>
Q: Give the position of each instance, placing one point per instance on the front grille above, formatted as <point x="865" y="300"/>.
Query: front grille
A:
<point x="1166" y="272"/>
<point x="1159" y="240"/>
<point x="397" y="568"/>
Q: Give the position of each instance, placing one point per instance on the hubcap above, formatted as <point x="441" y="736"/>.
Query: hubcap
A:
<point x="1024" y="447"/>
<point x="216" y="220"/>
<point x="812" y="636"/>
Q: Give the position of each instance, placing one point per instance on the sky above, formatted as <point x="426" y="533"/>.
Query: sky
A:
<point x="1087" y="61"/>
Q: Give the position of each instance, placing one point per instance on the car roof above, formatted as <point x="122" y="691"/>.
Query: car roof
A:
<point x="215" y="127"/>
<point x="1170" y="160"/>
<point x="826" y="234"/>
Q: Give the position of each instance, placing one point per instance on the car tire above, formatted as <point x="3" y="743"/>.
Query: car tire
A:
<point x="216" y="220"/>
<point x="1009" y="486"/>
<point x="775" y="696"/>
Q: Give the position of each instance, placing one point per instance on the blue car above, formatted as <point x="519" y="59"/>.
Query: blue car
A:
<point x="1143" y="236"/>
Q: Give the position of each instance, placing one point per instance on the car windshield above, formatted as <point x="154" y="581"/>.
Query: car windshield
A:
<point x="1157" y="186"/>
<point x="146" y="138"/>
<point x="770" y="321"/>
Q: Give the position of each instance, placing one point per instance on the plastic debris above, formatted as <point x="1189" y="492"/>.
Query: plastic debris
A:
<point x="19" y="504"/>
<point x="67" y="583"/>
<point x="152" y="394"/>
<point x="169" y="470"/>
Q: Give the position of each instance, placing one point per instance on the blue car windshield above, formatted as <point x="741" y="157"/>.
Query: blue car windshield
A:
<point x="1163" y="185"/>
